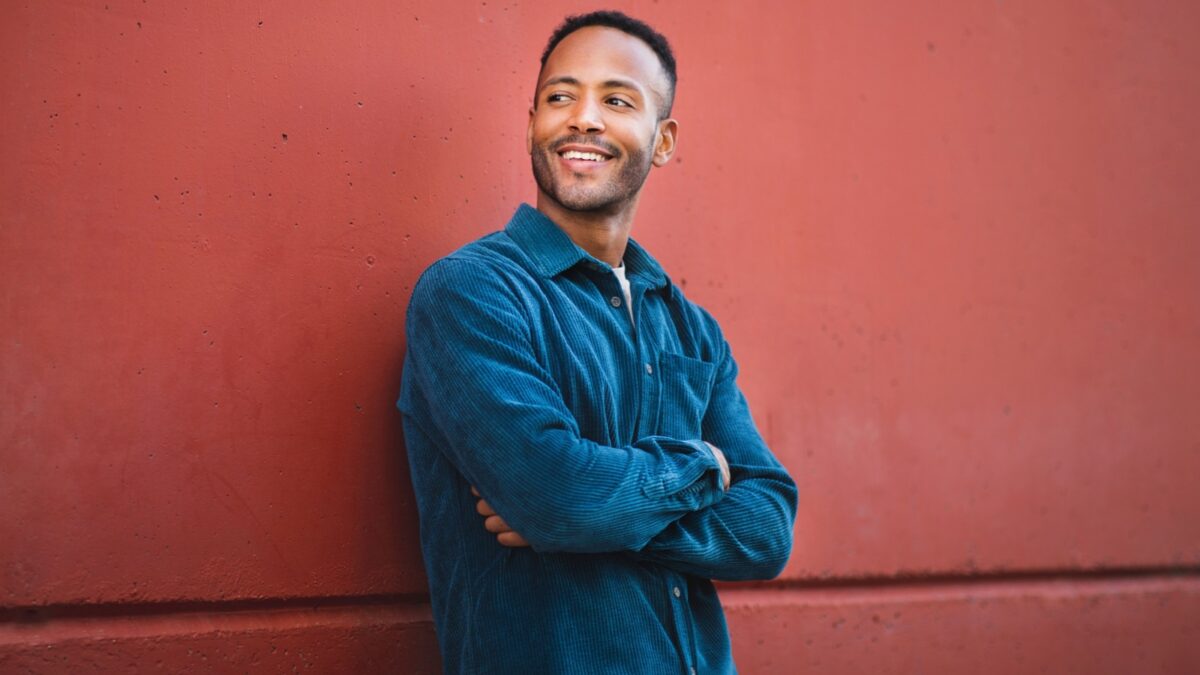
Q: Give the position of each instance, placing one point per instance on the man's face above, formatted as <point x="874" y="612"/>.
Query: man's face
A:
<point x="594" y="130"/>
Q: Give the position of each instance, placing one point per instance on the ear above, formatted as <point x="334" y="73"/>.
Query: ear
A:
<point x="664" y="141"/>
<point x="529" y="133"/>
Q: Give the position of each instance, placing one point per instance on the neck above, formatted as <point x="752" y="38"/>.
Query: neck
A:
<point x="603" y="234"/>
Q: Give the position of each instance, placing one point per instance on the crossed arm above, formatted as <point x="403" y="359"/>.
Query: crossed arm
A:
<point x="507" y="430"/>
<point x="506" y="536"/>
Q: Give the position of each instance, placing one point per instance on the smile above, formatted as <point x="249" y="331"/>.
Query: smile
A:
<point x="586" y="156"/>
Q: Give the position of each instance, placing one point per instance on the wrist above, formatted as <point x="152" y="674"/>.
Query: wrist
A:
<point x="723" y="463"/>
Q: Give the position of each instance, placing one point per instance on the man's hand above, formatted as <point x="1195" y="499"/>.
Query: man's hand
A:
<point x="496" y="525"/>
<point x="726" y="477"/>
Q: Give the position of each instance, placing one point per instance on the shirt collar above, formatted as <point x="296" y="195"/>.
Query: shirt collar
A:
<point x="551" y="251"/>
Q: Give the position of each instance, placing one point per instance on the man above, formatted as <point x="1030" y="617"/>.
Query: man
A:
<point x="583" y="460"/>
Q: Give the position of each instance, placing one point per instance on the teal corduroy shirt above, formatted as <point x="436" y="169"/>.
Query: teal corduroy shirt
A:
<point x="526" y="378"/>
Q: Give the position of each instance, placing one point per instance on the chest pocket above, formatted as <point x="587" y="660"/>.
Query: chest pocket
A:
<point x="686" y="385"/>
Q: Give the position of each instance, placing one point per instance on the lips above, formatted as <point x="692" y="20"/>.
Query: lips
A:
<point x="581" y="159"/>
<point x="584" y="155"/>
<point x="580" y="152"/>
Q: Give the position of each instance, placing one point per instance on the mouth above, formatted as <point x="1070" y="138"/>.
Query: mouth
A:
<point x="584" y="157"/>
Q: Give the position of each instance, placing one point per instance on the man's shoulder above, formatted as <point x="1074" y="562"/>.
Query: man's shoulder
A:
<point x="495" y="252"/>
<point x="495" y="248"/>
<point x="488" y="264"/>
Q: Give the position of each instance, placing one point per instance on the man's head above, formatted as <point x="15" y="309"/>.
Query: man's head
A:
<point x="601" y="112"/>
<point x="630" y="26"/>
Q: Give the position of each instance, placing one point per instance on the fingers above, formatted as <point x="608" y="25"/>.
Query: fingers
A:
<point x="511" y="539"/>
<point x="504" y="533"/>
<point x="496" y="525"/>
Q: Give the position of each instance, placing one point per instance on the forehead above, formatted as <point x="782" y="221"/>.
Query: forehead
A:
<point x="599" y="53"/>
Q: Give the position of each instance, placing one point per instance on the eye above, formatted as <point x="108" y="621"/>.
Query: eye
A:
<point x="556" y="98"/>
<point x="618" y="102"/>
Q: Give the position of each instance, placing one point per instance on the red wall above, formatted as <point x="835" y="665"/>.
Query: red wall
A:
<point x="954" y="246"/>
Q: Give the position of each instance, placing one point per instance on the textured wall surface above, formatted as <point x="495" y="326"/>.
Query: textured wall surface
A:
<point x="953" y="245"/>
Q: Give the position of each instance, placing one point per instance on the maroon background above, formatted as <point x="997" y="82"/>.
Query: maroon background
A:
<point x="953" y="245"/>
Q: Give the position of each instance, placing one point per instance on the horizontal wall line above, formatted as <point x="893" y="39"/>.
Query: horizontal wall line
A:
<point x="910" y="578"/>
<point x="56" y="623"/>
<point x="156" y="620"/>
<point x="43" y="613"/>
<point x="942" y="589"/>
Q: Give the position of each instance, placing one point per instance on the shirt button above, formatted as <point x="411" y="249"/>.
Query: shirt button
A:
<point x="676" y="591"/>
<point x="614" y="301"/>
<point x="649" y="369"/>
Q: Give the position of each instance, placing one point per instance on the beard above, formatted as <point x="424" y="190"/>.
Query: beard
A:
<point x="608" y="196"/>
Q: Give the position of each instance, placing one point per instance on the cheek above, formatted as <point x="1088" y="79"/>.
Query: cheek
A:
<point x="545" y="126"/>
<point x="636" y="136"/>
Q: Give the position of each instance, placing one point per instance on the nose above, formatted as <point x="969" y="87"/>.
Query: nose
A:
<point x="587" y="116"/>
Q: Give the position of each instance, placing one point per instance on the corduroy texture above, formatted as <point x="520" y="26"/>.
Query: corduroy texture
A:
<point x="525" y="378"/>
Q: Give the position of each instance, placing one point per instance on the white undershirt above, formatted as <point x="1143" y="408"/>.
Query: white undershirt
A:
<point x="620" y="272"/>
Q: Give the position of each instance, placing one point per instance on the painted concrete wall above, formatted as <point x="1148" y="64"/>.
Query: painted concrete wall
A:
<point x="953" y="245"/>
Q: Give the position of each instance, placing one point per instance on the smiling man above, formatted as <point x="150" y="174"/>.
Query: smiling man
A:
<point x="583" y="460"/>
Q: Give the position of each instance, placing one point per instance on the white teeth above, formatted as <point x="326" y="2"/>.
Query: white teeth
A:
<point x="590" y="156"/>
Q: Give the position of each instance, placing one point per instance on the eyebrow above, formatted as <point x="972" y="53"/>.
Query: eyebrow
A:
<point x="611" y="84"/>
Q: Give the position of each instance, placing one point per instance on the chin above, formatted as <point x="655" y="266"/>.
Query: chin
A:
<point x="577" y="193"/>
<point x="590" y="202"/>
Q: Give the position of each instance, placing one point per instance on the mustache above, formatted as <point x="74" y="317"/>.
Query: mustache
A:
<point x="582" y="139"/>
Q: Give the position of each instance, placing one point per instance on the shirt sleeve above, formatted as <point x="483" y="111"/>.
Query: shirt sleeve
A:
<point x="748" y="534"/>
<point x="501" y="420"/>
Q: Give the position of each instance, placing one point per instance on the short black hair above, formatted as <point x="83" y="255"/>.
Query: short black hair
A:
<point x="629" y="25"/>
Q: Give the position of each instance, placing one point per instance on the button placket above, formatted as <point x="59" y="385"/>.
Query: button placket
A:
<point x="684" y="627"/>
